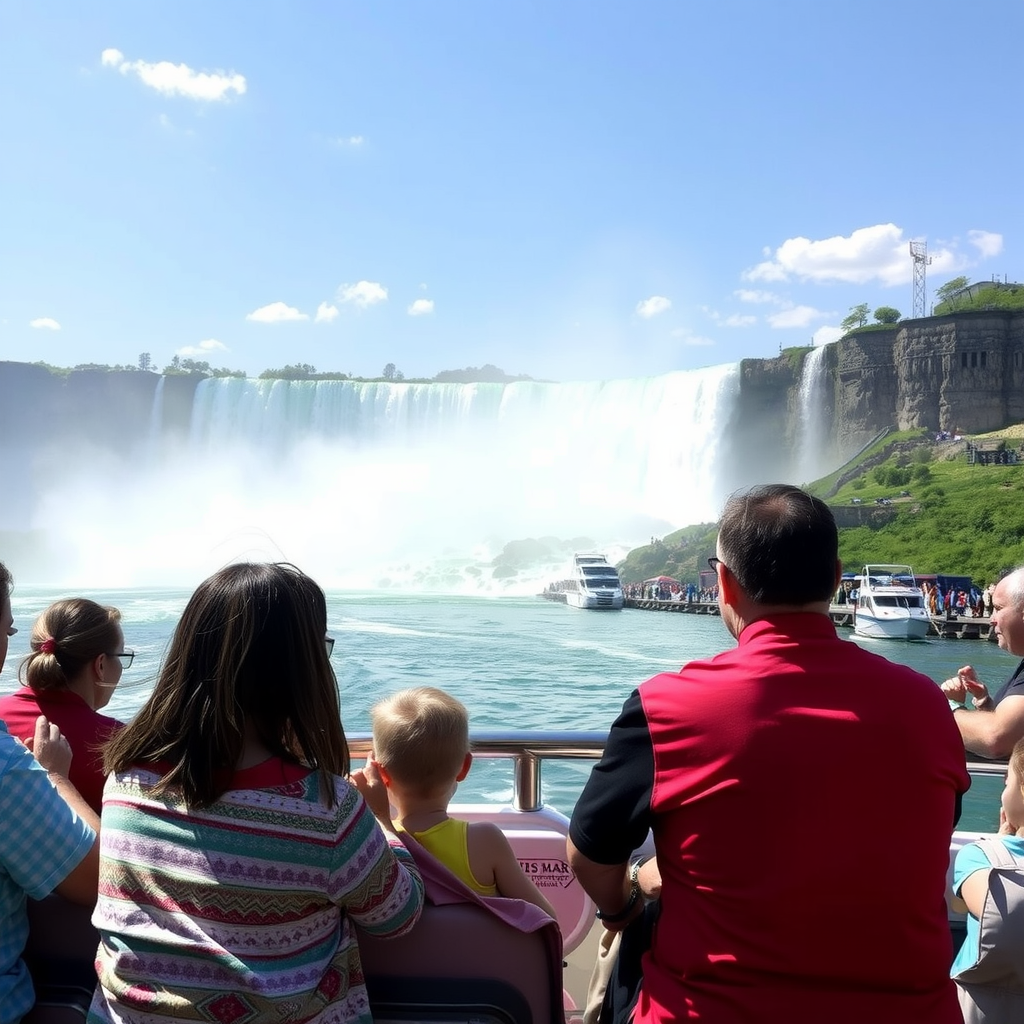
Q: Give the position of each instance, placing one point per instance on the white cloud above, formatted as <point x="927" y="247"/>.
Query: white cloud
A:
<point x="733" y="320"/>
<point x="46" y="323"/>
<point x="275" y="313"/>
<point x="421" y="307"/>
<point x="986" y="242"/>
<point x="177" y="79"/>
<point x="363" y="293"/>
<point x="325" y="313"/>
<point x="826" y="335"/>
<point x="797" y="316"/>
<point x="748" y="295"/>
<point x="687" y="337"/>
<point x="653" y="306"/>
<point x="204" y="348"/>
<point x="879" y="253"/>
<point x="355" y="141"/>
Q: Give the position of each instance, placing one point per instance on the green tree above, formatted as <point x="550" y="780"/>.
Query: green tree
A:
<point x="887" y="315"/>
<point x="390" y="372"/>
<point x="145" y="361"/>
<point x="293" y="371"/>
<point x="945" y="292"/>
<point x="858" y="317"/>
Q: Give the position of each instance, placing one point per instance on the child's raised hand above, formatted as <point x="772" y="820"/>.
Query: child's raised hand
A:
<point x="371" y="786"/>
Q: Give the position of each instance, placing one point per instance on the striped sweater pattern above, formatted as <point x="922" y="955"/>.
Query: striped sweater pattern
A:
<point x="243" y="912"/>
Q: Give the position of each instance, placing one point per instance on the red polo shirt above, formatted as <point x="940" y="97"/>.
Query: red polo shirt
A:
<point x="802" y="793"/>
<point x="86" y="730"/>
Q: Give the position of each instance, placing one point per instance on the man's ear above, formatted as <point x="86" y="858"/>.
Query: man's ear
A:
<point x="839" y="574"/>
<point x="729" y="588"/>
<point x="467" y="763"/>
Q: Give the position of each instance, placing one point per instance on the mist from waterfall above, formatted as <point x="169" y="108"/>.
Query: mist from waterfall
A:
<point x="393" y="484"/>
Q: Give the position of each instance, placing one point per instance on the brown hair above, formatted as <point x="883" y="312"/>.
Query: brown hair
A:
<point x="781" y="544"/>
<point x="421" y="736"/>
<point x="1017" y="760"/>
<point x="78" y="630"/>
<point x="248" y="649"/>
<point x="6" y="583"/>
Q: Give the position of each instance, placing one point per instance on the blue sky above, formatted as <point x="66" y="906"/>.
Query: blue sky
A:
<point x="571" y="190"/>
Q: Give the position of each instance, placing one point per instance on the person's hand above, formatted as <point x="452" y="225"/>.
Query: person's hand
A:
<point x="974" y="686"/>
<point x="50" y="747"/>
<point x="954" y="689"/>
<point x="371" y="786"/>
<point x="1007" y="827"/>
<point x="649" y="878"/>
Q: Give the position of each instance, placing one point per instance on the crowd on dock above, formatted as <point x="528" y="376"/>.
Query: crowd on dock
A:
<point x="965" y="602"/>
<point x="665" y="590"/>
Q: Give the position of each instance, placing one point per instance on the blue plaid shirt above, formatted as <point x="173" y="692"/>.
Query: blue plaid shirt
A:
<point x="41" y="841"/>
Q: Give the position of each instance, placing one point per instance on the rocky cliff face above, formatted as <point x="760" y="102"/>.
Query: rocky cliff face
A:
<point x="963" y="372"/>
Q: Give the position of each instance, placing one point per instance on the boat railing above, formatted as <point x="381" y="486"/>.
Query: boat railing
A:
<point x="529" y="748"/>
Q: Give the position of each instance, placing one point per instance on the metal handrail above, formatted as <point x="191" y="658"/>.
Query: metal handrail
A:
<point x="529" y="748"/>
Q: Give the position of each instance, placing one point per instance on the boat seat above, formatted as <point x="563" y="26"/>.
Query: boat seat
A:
<point x="461" y="963"/>
<point x="538" y="840"/>
<point x="468" y="958"/>
<point x="60" y="954"/>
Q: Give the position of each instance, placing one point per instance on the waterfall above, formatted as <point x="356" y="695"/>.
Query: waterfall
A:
<point x="373" y="483"/>
<point x="812" y="438"/>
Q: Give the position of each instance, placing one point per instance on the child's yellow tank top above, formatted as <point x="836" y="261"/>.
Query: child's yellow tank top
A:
<point x="447" y="842"/>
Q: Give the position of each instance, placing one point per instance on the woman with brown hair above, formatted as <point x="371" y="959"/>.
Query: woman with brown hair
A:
<point x="76" y="660"/>
<point x="236" y="857"/>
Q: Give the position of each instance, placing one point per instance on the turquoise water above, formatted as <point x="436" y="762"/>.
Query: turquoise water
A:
<point x="515" y="662"/>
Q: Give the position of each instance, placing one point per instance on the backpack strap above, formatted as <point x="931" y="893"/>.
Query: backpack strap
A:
<point x="998" y="855"/>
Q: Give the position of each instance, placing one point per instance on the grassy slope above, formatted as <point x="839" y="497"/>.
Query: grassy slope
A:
<point x="959" y="519"/>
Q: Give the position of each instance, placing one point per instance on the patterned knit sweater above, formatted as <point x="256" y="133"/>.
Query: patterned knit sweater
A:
<point x="243" y="912"/>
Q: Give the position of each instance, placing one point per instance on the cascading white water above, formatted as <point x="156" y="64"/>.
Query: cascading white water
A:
<point x="412" y="484"/>
<point x="401" y="484"/>
<point x="812" y="436"/>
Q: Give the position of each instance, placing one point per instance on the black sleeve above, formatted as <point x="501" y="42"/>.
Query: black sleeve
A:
<point x="613" y="813"/>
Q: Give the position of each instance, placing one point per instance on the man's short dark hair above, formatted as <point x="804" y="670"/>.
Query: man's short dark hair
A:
<point x="781" y="544"/>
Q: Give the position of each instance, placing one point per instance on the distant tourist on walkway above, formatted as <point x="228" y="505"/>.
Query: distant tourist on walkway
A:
<point x="999" y="723"/>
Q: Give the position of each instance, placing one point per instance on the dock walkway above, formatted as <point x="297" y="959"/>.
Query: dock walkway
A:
<point x="951" y="628"/>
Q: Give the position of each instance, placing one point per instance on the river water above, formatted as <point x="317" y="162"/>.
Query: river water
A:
<point x="515" y="662"/>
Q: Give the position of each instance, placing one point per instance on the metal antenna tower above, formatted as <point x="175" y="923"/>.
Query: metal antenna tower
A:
<point x="919" y="254"/>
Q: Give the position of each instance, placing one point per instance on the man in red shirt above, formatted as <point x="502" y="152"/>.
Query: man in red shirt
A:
<point x="802" y="793"/>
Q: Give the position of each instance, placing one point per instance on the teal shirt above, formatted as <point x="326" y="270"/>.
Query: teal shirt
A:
<point x="969" y="860"/>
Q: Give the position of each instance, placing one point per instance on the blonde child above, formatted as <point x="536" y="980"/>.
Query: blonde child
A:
<point x="421" y="752"/>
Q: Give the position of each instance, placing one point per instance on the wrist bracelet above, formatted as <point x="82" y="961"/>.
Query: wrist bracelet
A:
<point x="983" y="702"/>
<point x="957" y="706"/>
<point x="634" y="895"/>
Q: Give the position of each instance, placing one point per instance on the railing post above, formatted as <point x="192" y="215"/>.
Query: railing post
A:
<point x="526" y="782"/>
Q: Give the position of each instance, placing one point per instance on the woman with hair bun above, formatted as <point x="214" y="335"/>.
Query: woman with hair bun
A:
<point x="76" y="660"/>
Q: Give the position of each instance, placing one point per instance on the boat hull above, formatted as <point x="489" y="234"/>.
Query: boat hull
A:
<point x="594" y="601"/>
<point x="915" y="628"/>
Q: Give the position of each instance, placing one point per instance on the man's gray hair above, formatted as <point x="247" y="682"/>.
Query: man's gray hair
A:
<point x="1015" y="586"/>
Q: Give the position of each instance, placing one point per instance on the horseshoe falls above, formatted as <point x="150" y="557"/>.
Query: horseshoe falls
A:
<point x="367" y="485"/>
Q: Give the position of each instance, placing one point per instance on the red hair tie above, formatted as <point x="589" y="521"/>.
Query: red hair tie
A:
<point x="48" y="646"/>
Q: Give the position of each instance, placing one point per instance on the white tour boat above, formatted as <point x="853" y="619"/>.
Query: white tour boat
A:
<point x="594" y="583"/>
<point x="890" y="605"/>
